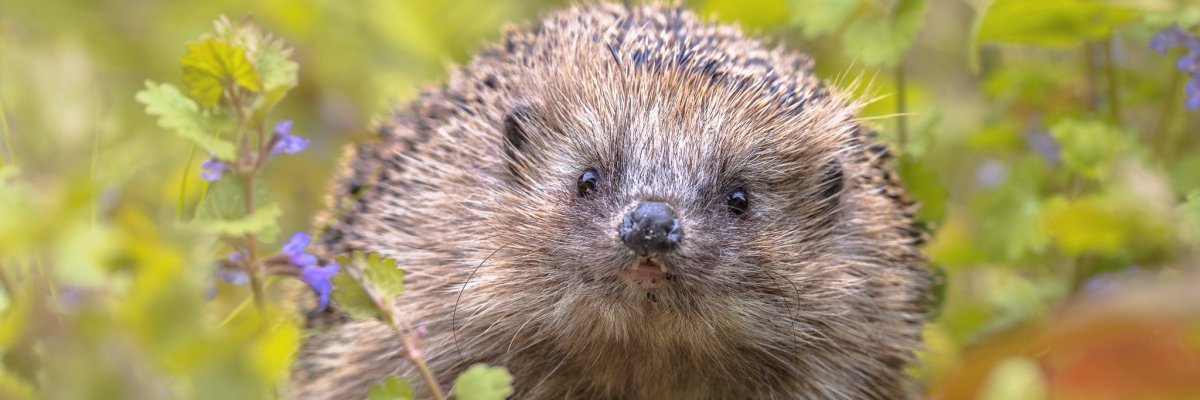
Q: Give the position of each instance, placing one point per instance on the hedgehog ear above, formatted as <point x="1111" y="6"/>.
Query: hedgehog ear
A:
<point x="516" y="137"/>
<point x="832" y="180"/>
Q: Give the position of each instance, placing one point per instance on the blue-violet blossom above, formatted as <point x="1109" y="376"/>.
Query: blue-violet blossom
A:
<point x="1189" y="63"/>
<point x="213" y="169"/>
<point x="316" y="276"/>
<point x="285" y="142"/>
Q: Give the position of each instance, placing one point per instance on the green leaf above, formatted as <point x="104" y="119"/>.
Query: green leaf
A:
<point x="261" y="222"/>
<point x="275" y="349"/>
<point x="384" y="277"/>
<point x="223" y="210"/>
<point x="924" y="186"/>
<point x="1105" y="224"/>
<point x="481" y="382"/>
<point x="211" y="65"/>
<point x="377" y="278"/>
<point x="883" y="40"/>
<point x="13" y="387"/>
<point x="392" y="388"/>
<point x="1089" y="147"/>
<point x="277" y="68"/>
<point x="1008" y="216"/>
<point x="1190" y="211"/>
<point x="180" y="114"/>
<point x="821" y="17"/>
<point x="226" y="199"/>
<point x="751" y="14"/>
<point x="350" y="296"/>
<point x="1053" y="23"/>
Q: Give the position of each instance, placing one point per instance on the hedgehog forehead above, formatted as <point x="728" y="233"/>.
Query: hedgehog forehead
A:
<point x="676" y="122"/>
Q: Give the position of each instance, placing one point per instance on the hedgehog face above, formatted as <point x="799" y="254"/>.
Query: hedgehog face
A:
<point x="662" y="208"/>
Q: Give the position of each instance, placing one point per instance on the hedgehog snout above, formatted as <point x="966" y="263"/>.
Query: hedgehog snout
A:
<point x="651" y="228"/>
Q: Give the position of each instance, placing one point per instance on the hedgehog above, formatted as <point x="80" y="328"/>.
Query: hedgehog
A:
<point x="632" y="203"/>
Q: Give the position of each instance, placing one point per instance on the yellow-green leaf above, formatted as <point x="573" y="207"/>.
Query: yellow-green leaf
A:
<point x="482" y="382"/>
<point x="210" y="66"/>
<point x="819" y="17"/>
<point x="1055" y="23"/>
<point x="392" y="388"/>
<point x="883" y="40"/>
<point x="377" y="278"/>
<point x="261" y="222"/>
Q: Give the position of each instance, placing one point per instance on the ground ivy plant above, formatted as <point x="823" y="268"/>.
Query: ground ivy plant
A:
<point x="232" y="80"/>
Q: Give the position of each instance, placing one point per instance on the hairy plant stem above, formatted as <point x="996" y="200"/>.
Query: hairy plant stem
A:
<point x="901" y="107"/>
<point x="247" y="169"/>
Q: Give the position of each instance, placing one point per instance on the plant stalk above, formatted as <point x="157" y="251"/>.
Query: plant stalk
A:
<point x="1110" y="72"/>
<point x="901" y="107"/>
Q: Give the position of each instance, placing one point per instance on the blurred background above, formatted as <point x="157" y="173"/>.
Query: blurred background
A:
<point x="1049" y="145"/>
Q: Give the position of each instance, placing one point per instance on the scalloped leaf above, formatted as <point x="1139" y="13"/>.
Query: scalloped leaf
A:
<point x="181" y="115"/>
<point x="483" y="382"/>
<point x="211" y="65"/>
<point x="364" y="279"/>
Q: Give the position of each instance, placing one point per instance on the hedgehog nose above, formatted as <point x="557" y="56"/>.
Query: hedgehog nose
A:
<point x="651" y="227"/>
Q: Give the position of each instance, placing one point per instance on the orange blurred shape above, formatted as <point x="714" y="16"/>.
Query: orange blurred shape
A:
<point x="1142" y="344"/>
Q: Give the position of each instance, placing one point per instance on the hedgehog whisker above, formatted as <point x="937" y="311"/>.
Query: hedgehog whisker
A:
<point x="454" y="311"/>
<point x="793" y="307"/>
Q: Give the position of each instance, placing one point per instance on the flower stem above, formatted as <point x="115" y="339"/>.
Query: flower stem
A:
<point x="187" y="171"/>
<point x="8" y="149"/>
<point x="413" y="348"/>
<point x="252" y="245"/>
<point x="901" y="107"/>
<point x="412" y="343"/>
<point x="1089" y="64"/>
<point x="1110" y="72"/>
<point x="7" y="284"/>
<point x="1170" y="103"/>
<point x="248" y="157"/>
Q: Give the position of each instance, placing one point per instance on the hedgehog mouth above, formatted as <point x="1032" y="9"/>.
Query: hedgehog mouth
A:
<point x="646" y="273"/>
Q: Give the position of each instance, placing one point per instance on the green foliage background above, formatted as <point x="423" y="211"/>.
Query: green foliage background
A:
<point x="1057" y="168"/>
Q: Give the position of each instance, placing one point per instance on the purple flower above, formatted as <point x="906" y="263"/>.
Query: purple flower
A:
<point x="1192" y="90"/>
<point x="1188" y="63"/>
<point x="1173" y="37"/>
<point x="285" y="142"/>
<point x="1045" y="146"/>
<point x="318" y="278"/>
<point x="237" y="256"/>
<point x="991" y="174"/>
<point x="294" y="249"/>
<point x="233" y="276"/>
<point x="213" y="169"/>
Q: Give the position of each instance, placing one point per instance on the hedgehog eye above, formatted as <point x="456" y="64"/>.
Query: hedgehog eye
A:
<point x="588" y="182"/>
<point x="737" y="201"/>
